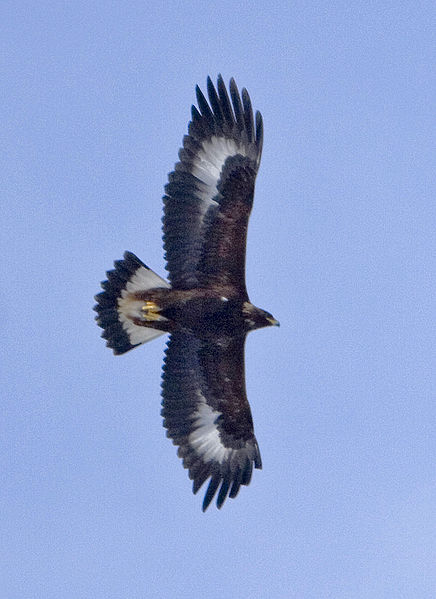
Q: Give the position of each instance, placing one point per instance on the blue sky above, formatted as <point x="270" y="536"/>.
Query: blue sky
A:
<point x="95" y="100"/>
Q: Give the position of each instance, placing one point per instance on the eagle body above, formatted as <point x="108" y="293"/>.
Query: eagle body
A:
<point x="206" y="313"/>
<point x="204" y="305"/>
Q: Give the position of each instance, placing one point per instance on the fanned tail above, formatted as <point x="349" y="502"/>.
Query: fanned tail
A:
<point x="115" y="307"/>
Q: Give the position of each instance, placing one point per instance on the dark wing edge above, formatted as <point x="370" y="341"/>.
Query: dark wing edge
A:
<point x="207" y="415"/>
<point x="220" y="129"/>
<point x="115" y="305"/>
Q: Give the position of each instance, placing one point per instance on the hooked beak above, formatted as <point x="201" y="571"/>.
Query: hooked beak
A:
<point x="273" y="321"/>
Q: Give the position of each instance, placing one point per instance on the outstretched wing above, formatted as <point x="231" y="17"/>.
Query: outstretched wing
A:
<point x="206" y="413"/>
<point x="210" y="193"/>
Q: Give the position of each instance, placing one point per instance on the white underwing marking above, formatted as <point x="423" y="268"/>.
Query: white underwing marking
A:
<point x="205" y="439"/>
<point x="209" y="162"/>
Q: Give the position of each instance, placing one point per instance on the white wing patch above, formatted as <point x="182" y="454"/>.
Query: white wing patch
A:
<point x="205" y="439"/>
<point x="209" y="163"/>
<point x="128" y="307"/>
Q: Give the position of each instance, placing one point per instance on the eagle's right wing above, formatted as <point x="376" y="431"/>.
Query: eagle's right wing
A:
<point x="210" y="193"/>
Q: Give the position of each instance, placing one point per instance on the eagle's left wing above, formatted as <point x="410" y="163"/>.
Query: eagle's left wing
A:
<point x="206" y="413"/>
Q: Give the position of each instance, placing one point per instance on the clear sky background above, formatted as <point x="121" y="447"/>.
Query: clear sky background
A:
<point x="95" y="100"/>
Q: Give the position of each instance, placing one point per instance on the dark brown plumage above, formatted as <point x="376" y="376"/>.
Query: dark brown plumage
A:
<point x="205" y="306"/>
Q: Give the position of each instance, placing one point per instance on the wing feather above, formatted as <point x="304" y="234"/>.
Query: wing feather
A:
<point x="224" y="143"/>
<point x="207" y="415"/>
<point x="225" y="103"/>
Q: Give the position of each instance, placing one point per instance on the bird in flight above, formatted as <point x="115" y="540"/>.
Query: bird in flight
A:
<point x="204" y="305"/>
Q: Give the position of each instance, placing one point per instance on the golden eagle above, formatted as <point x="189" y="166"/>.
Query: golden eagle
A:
<point x="205" y="306"/>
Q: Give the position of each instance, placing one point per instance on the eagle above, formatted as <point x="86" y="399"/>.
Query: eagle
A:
<point x="204" y="305"/>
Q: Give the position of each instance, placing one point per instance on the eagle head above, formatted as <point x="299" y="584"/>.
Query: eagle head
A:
<point x="256" y="318"/>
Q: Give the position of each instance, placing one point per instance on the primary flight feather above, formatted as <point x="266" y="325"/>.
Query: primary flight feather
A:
<point x="205" y="306"/>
